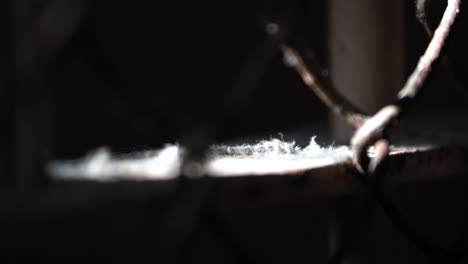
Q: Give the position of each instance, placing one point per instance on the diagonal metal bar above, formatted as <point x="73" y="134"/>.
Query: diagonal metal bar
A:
<point x="305" y="65"/>
<point x="423" y="17"/>
<point x="375" y="127"/>
<point x="418" y="77"/>
<point x="299" y="56"/>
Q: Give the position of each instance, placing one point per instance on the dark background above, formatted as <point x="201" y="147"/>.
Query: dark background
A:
<point x="137" y="74"/>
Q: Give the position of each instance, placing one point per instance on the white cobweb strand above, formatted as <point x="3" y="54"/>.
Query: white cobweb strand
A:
<point x="266" y="157"/>
<point x="102" y="166"/>
<point x="272" y="157"/>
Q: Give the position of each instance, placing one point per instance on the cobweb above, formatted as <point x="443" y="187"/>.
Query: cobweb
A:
<point x="273" y="156"/>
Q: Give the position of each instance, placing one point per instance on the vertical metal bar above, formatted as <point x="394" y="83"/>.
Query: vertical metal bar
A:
<point x="366" y="54"/>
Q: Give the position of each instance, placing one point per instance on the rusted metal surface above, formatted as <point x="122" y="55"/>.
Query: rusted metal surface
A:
<point x="406" y="165"/>
<point x="235" y="197"/>
<point x="245" y="180"/>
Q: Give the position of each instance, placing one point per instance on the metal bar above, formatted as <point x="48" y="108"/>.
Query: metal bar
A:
<point x="375" y="127"/>
<point x="406" y="165"/>
<point x="310" y="73"/>
<point x="417" y="78"/>
<point x="366" y="54"/>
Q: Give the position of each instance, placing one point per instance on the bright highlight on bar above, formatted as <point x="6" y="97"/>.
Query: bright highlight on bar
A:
<point x="272" y="156"/>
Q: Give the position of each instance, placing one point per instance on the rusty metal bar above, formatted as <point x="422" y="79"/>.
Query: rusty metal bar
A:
<point x="376" y="126"/>
<point x="313" y="77"/>
<point x="406" y="165"/>
<point x="417" y="78"/>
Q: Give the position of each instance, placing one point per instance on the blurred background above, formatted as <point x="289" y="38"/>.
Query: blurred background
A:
<point x="134" y="75"/>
